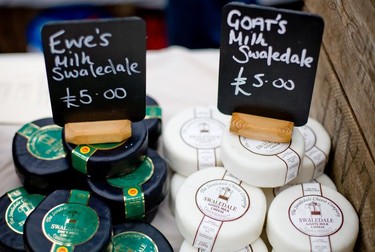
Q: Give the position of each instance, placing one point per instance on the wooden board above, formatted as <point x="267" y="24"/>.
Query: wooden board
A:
<point x="349" y="39"/>
<point x="351" y="164"/>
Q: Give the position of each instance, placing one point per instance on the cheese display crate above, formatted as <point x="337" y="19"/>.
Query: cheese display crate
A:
<point x="344" y="102"/>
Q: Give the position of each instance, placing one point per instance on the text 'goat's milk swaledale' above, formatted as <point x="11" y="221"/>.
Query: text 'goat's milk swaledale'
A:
<point x="262" y="163"/>
<point x="311" y="217"/>
<point x="217" y="212"/>
<point x="191" y="139"/>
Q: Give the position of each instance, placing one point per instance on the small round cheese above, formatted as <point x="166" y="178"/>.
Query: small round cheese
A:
<point x="271" y="193"/>
<point x="317" y="148"/>
<point x="216" y="211"/>
<point x="110" y="159"/>
<point x="191" y="139"/>
<point x="15" y="207"/>
<point x="136" y="195"/>
<point x="176" y="181"/>
<point x="311" y="217"/>
<point x="137" y="236"/>
<point x="257" y="246"/>
<point x="153" y="121"/>
<point x="262" y="163"/>
<point x="40" y="159"/>
<point x="69" y="221"/>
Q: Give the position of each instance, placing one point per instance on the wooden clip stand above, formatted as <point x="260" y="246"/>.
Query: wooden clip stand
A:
<point x="261" y="128"/>
<point x="111" y="131"/>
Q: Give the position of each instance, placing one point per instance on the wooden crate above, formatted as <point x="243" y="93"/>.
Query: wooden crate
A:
<point x="344" y="101"/>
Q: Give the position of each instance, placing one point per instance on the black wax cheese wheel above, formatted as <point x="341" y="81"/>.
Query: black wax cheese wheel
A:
<point x="40" y="158"/>
<point x="69" y="221"/>
<point x="137" y="195"/>
<point x="136" y="236"/>
<point x="15" y="206"/>
<point x="110" y="159"/>
<point x="153" y="121"/>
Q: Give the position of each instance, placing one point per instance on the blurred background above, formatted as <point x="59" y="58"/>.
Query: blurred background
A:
<point x="193" y="24"/>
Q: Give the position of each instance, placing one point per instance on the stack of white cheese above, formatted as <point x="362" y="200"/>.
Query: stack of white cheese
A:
<point x="231" y="193"/>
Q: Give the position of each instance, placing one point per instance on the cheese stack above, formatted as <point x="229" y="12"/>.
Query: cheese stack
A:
<point x="271" y="167"/>
<point x="87" y="187"/>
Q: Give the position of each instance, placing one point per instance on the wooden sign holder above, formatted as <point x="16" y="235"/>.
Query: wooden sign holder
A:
<point x="96" y="132"/>
<point x="261" y="128"/>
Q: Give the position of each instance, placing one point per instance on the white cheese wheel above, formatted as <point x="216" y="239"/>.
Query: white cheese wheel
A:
<point x="271" y="193"/>
<point x="262" y="163"/>
<point x="176" y="181"/>
<point x="317" y="148"/>
<point x="216" y="211"/>
<point x="257" y="246"/>
<point x="192" y="138"/>
<point x="311" y="217"/>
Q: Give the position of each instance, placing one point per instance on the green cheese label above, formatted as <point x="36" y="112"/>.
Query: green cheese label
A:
<point x="137" y="177"/>
<point x="45" y="142"/>
<point x="133" y="241"/>
<point x="82" y="153"/>
<point x="21" y="206"/>
<point x="153" y="112"/>
<point x="131" y="185"/>
<point x="71" y="223"/>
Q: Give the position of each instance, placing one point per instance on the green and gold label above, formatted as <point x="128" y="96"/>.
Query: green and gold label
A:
<point x="82" y="153"/>
<point x="137" y="177"/>
<point x="153" y="112"/>
<point x="45" y="142"/>
<point x="70" y="224"/>
<point x="20" y="208"/>
<point x="131" y="185"/>
<point x="133" y="241"/>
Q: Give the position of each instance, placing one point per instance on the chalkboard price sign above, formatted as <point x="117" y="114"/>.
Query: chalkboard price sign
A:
<point x="96" y="69"/>
<point x="268" y="61"/>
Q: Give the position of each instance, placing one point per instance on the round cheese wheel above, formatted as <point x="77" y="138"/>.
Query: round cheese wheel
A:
<point x="110" y="159"/>
<point x="40" y="159"/>
<point x="137" y="236"/>
<point x="271" y="193"/>
<point x="257" y="246"/>
<point x="311" y="217"/>
<point x="15" y="206"/>
<point x="262" y="163"/>
<point x="176" y="181"/>
<point x="69" y="221"/>
<point x="317" y="148"/>
<point x="153" y="121"/>
<point x="136" y="195"/>
<point x="212" y="207"/>
<point x="191" y="139"/>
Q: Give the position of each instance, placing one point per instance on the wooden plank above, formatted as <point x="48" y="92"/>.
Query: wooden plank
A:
<point x="261" y="128"/>
<point x="351" y="164"/>
<point x="111" y="131"/>
<point x="349" y="39"/>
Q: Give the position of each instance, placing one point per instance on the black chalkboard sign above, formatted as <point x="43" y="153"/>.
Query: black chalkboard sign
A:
<point x="96" y="69"/>
<point x="268" y="61"/>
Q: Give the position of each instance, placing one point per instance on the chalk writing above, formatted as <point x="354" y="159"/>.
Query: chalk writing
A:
<point x="82" y="41"/>
<point x="96" y="69"/>
<point x="268" y="60"/>
<point x="85" y="97"/>
<point x="87" y="68"/>
<point x="241" y="81"/>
